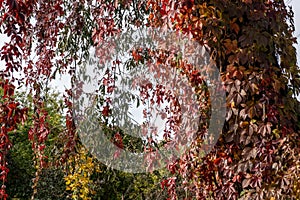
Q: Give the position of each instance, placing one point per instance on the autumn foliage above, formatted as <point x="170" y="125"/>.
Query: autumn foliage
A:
<point x="251" y="42"/>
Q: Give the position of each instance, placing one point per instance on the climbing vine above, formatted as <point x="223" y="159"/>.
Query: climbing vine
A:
<point x="251" y="41"/>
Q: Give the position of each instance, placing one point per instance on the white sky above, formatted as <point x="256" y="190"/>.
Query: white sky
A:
<point x="296" y="8"/>
<point x="62" y="84"/>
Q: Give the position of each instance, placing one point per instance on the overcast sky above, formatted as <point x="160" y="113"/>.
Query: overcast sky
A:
<point x="294" y="3"/>
<point x="296" y="8"/>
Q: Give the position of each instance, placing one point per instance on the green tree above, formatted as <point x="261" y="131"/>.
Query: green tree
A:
<point x="21" y="157"/>
<point x="251" y="41"/>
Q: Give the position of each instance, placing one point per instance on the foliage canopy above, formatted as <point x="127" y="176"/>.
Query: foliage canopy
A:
<point x="251" y="41"/>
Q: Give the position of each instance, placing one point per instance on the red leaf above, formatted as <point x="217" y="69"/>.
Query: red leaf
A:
<point x="246" y="182"/>
<point x="105" y="111"/>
